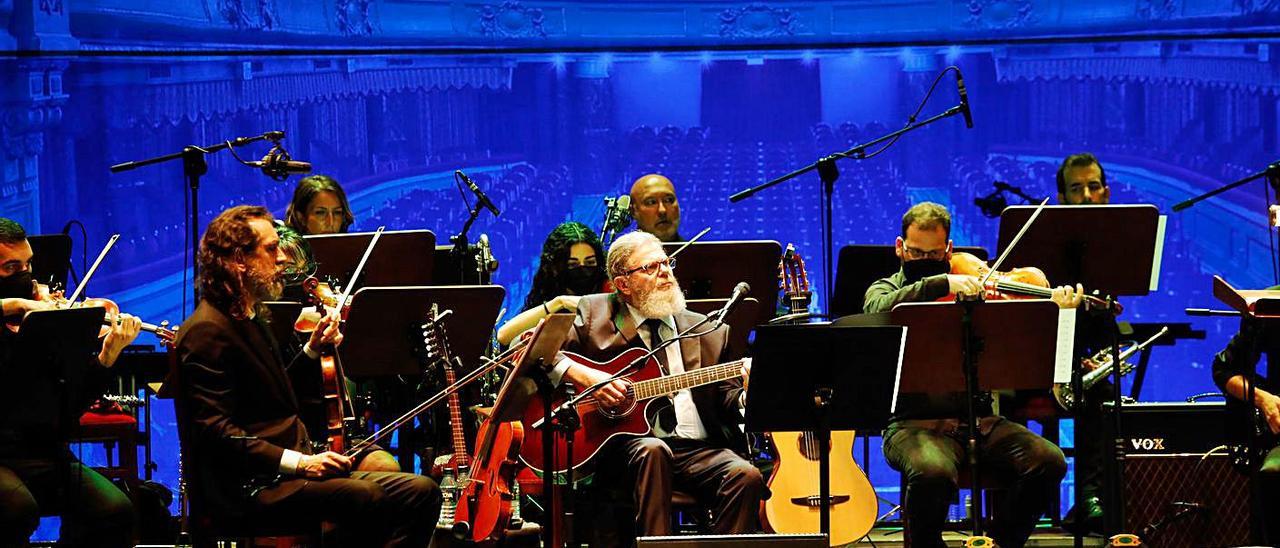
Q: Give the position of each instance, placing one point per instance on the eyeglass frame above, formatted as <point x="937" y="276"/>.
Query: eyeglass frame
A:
<point x="656" y="266"/>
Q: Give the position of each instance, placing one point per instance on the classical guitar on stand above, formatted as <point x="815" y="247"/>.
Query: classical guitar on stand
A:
<point x="457" y="466"/>
<point x="794" y="506"/>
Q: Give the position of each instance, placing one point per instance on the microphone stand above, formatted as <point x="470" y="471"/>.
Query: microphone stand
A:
<point x="193" y="167"/>
<point x="828" y="172"/>
<point x="462" y="244"/>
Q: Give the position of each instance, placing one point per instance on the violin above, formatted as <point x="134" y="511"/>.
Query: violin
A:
<point x="325" y="300"/>
<point x="1026" y="282"/>
<point x="44" y="293"/>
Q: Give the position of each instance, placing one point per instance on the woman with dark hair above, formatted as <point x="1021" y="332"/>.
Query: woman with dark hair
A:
<point x="572" y="265"/>
<point x="319" y="206"/>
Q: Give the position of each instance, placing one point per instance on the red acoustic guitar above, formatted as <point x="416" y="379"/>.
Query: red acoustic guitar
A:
<point x="646" y="390"/>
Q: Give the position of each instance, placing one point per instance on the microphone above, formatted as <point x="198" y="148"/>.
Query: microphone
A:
<point x="740" y="292"/>
<point x="484" y="200"/>
<point x="617" y="216"/>
<point x="278" y="165"/>
<point x="964" y="101"/>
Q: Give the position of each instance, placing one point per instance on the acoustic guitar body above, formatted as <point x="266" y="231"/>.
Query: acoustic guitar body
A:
<point x="794" y="508"/>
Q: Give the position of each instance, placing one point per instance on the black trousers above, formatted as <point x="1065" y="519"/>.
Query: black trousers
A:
<point x="650" y="468"/>
<point x="368" y="508"/>
<point x="929" y="453"/>
<point x="1266" y="493"/>
<point x="94" y="512"/>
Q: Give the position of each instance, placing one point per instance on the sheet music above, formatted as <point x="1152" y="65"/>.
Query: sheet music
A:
<point x="897" y="377"/>
<point x="1066" y="348"/>
<point x="1158" y="256"/>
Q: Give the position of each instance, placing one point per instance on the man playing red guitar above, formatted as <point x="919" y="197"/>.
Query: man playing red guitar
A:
<point x="648" y="307"/>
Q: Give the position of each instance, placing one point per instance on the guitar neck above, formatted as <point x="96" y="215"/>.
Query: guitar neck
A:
<point x="455" y="419"/>
<point x="671" y="384"/>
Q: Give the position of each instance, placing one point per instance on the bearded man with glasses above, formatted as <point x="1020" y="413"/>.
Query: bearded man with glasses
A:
<point x="697" y="455"/>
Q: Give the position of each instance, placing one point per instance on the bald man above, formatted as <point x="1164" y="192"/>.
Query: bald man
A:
<point x="655" y="208"/>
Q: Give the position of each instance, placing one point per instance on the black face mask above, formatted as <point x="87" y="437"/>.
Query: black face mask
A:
<point x="582" y="280"/>
<point x="920" y="269"/>
<point x="17" y="286"/>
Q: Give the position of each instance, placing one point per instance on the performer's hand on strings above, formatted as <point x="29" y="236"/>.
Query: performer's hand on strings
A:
<point x="124" y="328"/>
<point x="328" y="330"/>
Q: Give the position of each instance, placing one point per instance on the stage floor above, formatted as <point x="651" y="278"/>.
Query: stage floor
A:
<point x="1042" y="538"/>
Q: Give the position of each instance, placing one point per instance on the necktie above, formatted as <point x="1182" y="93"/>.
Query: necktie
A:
<point x="655" y="339"/>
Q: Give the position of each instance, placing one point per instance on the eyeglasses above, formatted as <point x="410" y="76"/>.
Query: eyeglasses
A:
<point x="914" y="253"/>
<point x="652" y="268"/>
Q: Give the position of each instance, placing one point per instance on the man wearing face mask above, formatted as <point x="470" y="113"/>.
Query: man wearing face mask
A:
<point x="38" y="474"/>
<point x="926" y="439"/>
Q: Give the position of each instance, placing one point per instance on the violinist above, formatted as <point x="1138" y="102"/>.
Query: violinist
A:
<point x="299" y="265"/>
<point x="925" y="440"/>
<point x="256" y="461"/>
<point x="319" y="206"/>
<point x="1082" y="180"/>
<point x="39" y="476"/>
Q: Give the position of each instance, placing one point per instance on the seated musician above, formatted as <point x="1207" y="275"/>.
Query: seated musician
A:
<point x="307" y="382"/>
<point x="926" y="440"/>
<point x="38" y="474"/>
<point x="655" y="207"/>
<point x="572" y="265"/>
<point x="645" y="308"/>
<point x="1232" y="367"/>
<point x="256" y="458"/>
<point x="319" y="206"/>
<point x="1082" y="180"/>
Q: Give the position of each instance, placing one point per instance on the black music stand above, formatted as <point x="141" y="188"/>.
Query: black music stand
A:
<point x="741" y="320"/>
<point x="56" y="349"/>
<point x="1000" y="345"/>
<point x="1108" y="248"/>
<point x="710" y="270"/>
<point x="529" y="376"/>
<point x="402" y="257"/>
<point x="822" y="377"/>
<point x="383" y="336"/>
<point x="383" y="328"/>
<point x="1111" y="249"/>
<point x="51" y="259"/>
<point x="860" y="266"/>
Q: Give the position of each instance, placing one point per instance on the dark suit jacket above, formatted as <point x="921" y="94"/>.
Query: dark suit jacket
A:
<point x="234" y="386"/>
<point x="604" y="329"/>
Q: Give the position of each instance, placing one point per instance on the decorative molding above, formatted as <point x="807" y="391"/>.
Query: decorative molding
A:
<point x="352" y="17"/>
<point x="511" y="19"/>
<point x="758" y="20"/>
<point x="1258" y="6"/>
<point x="1160" y="10"/>
<point x="261" y="16"/>
<point x="52" y="7"/>
<point x="1000" y="14"/>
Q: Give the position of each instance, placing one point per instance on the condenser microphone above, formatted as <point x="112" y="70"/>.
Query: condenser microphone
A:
<point x="740" y="292"/>
<point x="964" y="101"/>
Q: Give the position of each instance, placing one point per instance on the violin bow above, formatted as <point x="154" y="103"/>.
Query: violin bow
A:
<point x="351" y="284"/>
<point x="111" y="242"/>
<point x="1013" y="244"/>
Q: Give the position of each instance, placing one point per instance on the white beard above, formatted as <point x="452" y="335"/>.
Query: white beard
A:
<point x="660" y="303"/>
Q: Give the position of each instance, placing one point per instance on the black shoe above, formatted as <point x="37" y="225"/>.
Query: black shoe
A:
<point x="1093" y="517"/>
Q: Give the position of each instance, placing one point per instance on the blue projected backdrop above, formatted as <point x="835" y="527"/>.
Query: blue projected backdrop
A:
<point x="552" y="106"/>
